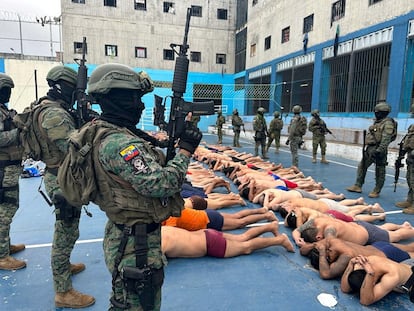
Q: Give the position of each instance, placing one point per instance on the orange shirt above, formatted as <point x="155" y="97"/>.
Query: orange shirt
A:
<point x="190" y="220"/>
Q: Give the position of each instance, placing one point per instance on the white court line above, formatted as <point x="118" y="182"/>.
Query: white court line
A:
<point x="77" y="242"/>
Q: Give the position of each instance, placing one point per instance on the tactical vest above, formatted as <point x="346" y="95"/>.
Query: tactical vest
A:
<point x="259" y="124"/>
<point x="13" y="152"/>
<point x="35" y="141"/>
<point x="116" y="197"/>
<point x="375" y="131"/>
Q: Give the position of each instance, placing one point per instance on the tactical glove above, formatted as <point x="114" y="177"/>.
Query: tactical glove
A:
<point x="287" y="142"/>
<point x="190" y="138"/>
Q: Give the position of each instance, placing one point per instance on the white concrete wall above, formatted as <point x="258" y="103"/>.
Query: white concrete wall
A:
<point x="23" y="74"/>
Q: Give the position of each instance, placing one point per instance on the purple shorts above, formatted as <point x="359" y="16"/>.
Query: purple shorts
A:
<point x="216" y="243"/>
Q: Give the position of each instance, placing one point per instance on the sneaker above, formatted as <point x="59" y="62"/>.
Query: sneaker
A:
<point x="73" y="299"/>
<point x="403" y="204"/>
<point x="10" y="263"/>
<point x="16" y="248"/>
<point x="408" y="210"/>
<point x="373" y="194"/>
<point x="76" y="268"/>
<point x="354" y="188"/>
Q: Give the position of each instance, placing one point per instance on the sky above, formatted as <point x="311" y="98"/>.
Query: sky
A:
<point x="31" y="7"/>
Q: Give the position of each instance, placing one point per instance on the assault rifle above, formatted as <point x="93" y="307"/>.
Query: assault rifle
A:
<point x="80" y="97"/>
<point x="179" y="107"/>
<point x="364" y="133"/>
<point x="398" y="162"/>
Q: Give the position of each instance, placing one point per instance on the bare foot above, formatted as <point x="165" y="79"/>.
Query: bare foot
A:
<point x="242" y="202"/>
<point x="341" y="196"/>
<point x="286" y="243"/>
<point x="270" y="216"/>
<point x="360" y="201"/>
<point x="407" y="224"/>
<point x="377" y="208"/>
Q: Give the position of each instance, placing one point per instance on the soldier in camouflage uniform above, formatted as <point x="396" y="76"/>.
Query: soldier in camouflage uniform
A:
<point x="275" y="127"/>
<point x="10" y="170"/>
<point x="56" y="122"/>
<point x="143" y="189"/>
<point x="219" y="123"/>
<point x="408" y="149"/>
<point x="260" y="132"/>
<point x="237" y="123"/>
<point x="377" y="139"/>
<point x="297" y="129"/>
<point x="318" y="128"/>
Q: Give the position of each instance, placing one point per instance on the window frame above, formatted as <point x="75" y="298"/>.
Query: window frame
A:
<point x="268" y="43"/>
<point x="140" y="5"/>
<point x="197" y="11"/>
<point x="77" y="47"/>
<point x="140" y="48"/>
<point x="372" y="2"/>
<point x="168" y="54"/>
<point x="285" y="31"/>
<point x="221" y="56"/>
<point x="195" y="57"/>
<point x="253" y="49"/>
<point x="168" y="6"/>
<point x="306" y="22"/>
<point x="222" y="14"/>
<point x="115" y="47"/>
<point x="338" y="10"/>
<point x="78" y="1"/>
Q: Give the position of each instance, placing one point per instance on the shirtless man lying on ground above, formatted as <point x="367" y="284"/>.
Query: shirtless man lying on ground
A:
<point x="359" y="232"/>
<point x="331" y="256"/>
<point x="272" y="198"/>
<point x="374" y="277"/>
<point x="177" y="242"/>
<point x="193" y="220"/>
<point x="214" y="201"/>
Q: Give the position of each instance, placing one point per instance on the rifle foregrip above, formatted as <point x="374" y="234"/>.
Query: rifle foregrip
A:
<point x="180" y="75"/>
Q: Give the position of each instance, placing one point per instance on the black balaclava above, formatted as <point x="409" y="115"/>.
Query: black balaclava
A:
<point x="5" y="93"/>
<point x="61" y="90"/>
<point x="122" y="107"/>
<point x="379" y="115"/>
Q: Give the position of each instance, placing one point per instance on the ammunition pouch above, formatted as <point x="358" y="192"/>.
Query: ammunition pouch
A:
<point x="65" y="211"/>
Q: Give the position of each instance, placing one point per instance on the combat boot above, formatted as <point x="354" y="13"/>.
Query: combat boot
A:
<point x="403" y="204"/>
<point x="75" y="268"/>
<point x="374" y="194"/>
<point x="16" y="248"/>
<point x="409" y="210"/>
<point x="73" y="299"/>
<point x="323" y="160"/>
<point x="314" y="158"/>
<point x="10" y="263"/>
<point x="277" y="150"/>
<point x="354" y="188"/>
<point x="265" y="156"/>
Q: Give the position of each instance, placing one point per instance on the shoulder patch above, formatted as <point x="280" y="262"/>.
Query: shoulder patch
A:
<point x="129" y="152"/>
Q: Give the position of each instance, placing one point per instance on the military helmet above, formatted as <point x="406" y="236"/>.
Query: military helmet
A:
<point x="235" y="111"/>
<point x="315" y="112"/>
<point x="6" y="81"/>
<point x="297" y="109"/>
<point x="62" y="73"/>
<point x="115" y="76"/>
<point x="261" y="110"/>
<point x="276" y="114"/>
<point x="382" y="107"/>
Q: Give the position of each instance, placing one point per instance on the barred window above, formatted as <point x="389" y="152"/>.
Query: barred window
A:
<point x="77" y="48"/>
<point x="140" y="52"/>
<point x="168" y="7"/>
<point x="196" y="10"/>
<point x="168" y="54"/>
<point x="195" y="57"/>
<point x="221" y="14"/>
<point x="110" y="3"/>
<point x="308" y="24"/>
<point x="267" y="42"/>
<point x="220" y="58"/>
<point x="285" y="34"/>
<point x="140" y="5"/>
<point x="338" y="10"/>
<point x="111" y="50"/>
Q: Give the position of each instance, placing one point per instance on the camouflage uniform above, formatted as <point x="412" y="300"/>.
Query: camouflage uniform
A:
<point x="10" y="170"/>
<point x="318" y="128"/>
<point x="297" y="129"/>
<point x="138" y="189"/>
<point x="237" y="123"/>
<point x="408" y="149"/>
<point x="377" y="139"/>
<point x="275" y="127"/>
<point x="260" y="132"/>
<point x="219" y="123"/>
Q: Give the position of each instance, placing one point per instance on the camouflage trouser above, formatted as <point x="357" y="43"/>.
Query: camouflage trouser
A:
<point x="112" y="239"/>
<point x="9" y="206"/>
<point x="276" y="137"/>
<point x="410" y="181"/>
<point x="220" y="134"/>
<point x="294" y="147"/>
<point x="236" y="138"/>
<point x="318" y="140"/>
<point x="380" y="165"/>
<point x="64" y="238"/>
<point x="262" y="143"/>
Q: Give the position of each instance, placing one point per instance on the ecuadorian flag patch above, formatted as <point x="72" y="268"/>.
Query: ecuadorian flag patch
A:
<point x="129" y="152"/>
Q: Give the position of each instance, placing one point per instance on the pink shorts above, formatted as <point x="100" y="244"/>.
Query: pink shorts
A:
<point x="216" y="243"/>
